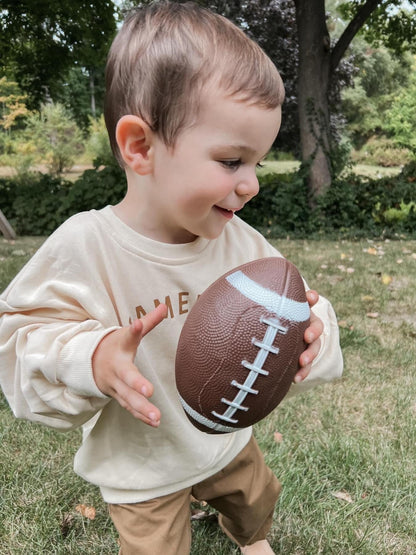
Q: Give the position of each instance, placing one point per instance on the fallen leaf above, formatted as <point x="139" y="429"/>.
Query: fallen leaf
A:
<point x="386" y="279"/>
<point x="367" y="298"/>
<point x="372" y="250"/>
<point x="373" y="314"/>
<point x="278" y="437"/>
<point x="343" y="495"/>
<point x="86" y="511"/>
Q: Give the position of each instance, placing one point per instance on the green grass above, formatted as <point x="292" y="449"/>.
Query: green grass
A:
<point x="355" y="438"/>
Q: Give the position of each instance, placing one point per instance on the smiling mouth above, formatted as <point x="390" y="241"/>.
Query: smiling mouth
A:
<point x="225" y="212"/>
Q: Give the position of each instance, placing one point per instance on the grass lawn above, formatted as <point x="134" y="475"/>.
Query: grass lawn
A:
<point x="344" y="452"/>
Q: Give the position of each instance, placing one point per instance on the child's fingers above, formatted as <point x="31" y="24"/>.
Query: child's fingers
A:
<point x="136" y="404"/>
<point x="308" y="356"/>
<point x="314" y="330"/>
<point x="133" y="379"/>
<point x="312" y="297"/>
<point x="302" y="374"/>
<point x="133" y="334"/>
<point x="151" y="320"/>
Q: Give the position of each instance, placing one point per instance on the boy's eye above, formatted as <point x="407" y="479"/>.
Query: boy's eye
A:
<point x="231" y="164"/>
<point x="235" y="164"/>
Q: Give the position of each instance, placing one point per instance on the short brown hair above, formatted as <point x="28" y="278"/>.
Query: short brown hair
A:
<point x="163" y="56"/>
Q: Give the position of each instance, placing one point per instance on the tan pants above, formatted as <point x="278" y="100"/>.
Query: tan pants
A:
<point x="244" y="492"/>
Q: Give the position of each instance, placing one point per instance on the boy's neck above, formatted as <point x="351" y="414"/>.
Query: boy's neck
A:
<point x="136" y="212"/>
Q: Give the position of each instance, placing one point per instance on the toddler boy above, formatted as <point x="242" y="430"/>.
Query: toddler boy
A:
<point x="90" y="326"/>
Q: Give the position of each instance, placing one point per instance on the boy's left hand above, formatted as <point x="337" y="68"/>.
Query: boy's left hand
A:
<point x="312" y="338"/>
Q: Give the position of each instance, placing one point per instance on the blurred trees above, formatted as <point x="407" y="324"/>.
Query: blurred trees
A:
<point x="381" y="106"/>
<point x="42" y="41"/>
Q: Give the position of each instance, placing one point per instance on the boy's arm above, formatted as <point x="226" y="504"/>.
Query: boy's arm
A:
<point x="52" y="317"/>
<point x="45" y="367"/>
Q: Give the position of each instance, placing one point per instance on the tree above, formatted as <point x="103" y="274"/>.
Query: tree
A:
<point x="318" y="61"/>
<point x="401" y="117"/>
<point x="12" y="105"/>
<point x="40" y="41"/>
<point x="380" y="79"/>
<point x="56" y="136"/>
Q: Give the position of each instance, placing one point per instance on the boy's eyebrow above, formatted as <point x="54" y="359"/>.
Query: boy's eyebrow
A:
<point x="241" y="148"/>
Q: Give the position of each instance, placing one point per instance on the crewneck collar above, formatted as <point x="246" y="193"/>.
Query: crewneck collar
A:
<point x="136" y="242"/>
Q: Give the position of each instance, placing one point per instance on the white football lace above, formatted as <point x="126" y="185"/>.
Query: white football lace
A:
<point x="255" y="369"/>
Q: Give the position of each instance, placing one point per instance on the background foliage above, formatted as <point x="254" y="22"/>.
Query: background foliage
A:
<point x="41" y="41"/>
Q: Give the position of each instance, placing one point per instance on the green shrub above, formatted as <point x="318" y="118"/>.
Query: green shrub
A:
<point x="98" y="145"/>
<point x="382" y="151"/>
<point x="354" y="206"/>
<point x="95" y="189"/>
<point x="360" y="206"/>
<point x="36" y="204"/>
<point x="32" y="202"/>
<point x="281" y="206"/>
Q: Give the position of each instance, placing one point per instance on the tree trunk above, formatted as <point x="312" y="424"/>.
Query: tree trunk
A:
<point x="6" y="228"/>
<point x="92" y="92"/>
<point x="314" y="65"/>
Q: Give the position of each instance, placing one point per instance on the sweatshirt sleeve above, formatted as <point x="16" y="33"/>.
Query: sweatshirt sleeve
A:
<point x="52" y="317"/>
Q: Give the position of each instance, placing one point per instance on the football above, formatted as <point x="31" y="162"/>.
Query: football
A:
<point x="240" y="345"/>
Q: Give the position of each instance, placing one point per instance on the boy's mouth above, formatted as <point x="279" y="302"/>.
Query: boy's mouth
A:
<point x="225" y="212"/>
<point x="228" y="212"/>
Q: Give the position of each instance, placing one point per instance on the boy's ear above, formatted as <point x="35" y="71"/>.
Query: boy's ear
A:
<point x="134" y="138"/>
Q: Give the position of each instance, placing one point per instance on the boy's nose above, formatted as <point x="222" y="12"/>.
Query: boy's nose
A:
<point x="248" y="186"/>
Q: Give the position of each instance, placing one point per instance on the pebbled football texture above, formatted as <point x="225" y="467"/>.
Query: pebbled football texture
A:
<point x="240" y="345"/>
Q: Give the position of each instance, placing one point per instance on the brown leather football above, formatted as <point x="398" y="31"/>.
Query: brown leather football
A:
<point x="240" y="346"/>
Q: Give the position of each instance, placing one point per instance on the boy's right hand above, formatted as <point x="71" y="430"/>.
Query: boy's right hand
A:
<point x="114" y="370"/>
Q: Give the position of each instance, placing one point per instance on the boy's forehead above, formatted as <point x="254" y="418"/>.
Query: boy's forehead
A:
<point x="234" y="113"/>
<point x="233" y="126"/>
<point x="218" y="102"/>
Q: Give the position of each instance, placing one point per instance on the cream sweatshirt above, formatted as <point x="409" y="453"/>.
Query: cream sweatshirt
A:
<point x="94" y="275"/>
